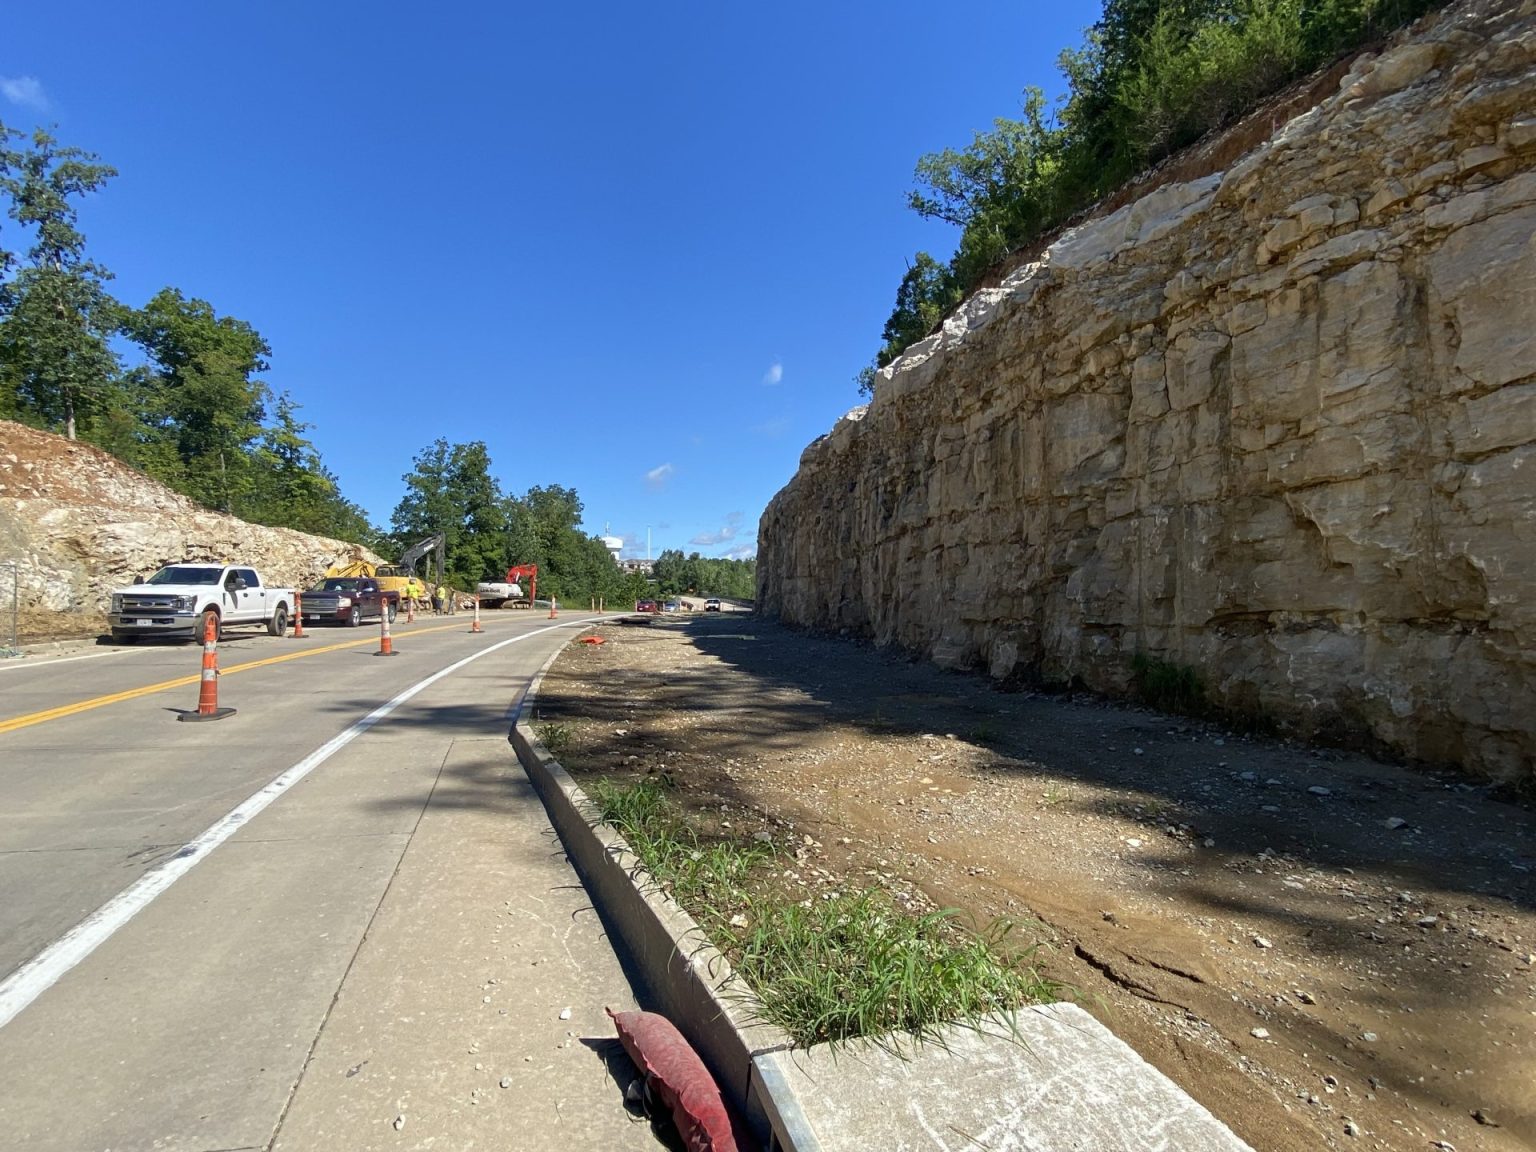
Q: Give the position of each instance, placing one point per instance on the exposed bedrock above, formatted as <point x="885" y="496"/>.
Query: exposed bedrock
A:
<point x="1277" y="424"/>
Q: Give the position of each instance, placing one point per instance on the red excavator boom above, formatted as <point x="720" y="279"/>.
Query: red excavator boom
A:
<point x="518" y="571"/>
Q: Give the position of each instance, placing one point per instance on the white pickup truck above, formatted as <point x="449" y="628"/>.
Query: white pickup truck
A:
<point x="178" y="599"/>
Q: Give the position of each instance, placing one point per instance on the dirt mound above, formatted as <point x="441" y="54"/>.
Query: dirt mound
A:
<point x="39" y="465"/>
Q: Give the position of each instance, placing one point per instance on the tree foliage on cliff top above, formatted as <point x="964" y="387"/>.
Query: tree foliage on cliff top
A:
<point x="1152" y="77"/>
<point x="189" y="410"/>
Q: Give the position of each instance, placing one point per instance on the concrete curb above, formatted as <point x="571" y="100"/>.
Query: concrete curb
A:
<point x="687" y="978"/>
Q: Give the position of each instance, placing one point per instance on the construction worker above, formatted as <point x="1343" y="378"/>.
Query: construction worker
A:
<point x="440" y="600"/>
<point x="412" y="593"/>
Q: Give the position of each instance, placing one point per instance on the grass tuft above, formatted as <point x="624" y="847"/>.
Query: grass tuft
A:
<point x="555" y="737"/>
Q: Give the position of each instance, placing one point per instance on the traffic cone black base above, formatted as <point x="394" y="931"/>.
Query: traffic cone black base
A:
<point x="198" y="717"/>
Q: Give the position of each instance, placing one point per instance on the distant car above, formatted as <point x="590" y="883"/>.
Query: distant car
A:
<point x="711" y="605"/>
<point x="671" y="606"/>
<point x="646" y="606"/>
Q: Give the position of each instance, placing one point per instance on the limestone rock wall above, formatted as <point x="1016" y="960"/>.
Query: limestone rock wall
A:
<point x="1278" y="424"/>
<point x="78" y="522"/>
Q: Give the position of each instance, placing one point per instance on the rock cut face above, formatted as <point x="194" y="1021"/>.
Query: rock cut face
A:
<point x="79" y="523"/>
<point x="1276" y="425"/>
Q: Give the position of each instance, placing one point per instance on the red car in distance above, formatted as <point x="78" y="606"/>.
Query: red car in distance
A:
<point x="647" y="606"/>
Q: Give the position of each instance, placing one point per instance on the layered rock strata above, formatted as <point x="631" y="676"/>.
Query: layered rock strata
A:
<point x="77" y="522"/>
<point x="1277" y="425"/>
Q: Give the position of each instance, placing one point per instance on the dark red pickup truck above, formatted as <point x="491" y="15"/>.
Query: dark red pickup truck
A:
<point x="348" y="600"/>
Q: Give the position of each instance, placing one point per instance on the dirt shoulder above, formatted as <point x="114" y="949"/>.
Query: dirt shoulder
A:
<point x="1324" y="950"/>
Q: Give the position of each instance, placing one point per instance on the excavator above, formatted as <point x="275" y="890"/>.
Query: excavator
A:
<point x="495" y="593"/>
<point x="392" y="577"/>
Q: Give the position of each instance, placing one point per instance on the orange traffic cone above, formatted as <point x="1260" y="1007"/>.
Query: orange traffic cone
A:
<point x="552" y="608"/>
<point x="475" y="627"/>
<point x="298" y="615"/>
<point x="386" y="648"/>
<point x="208" y="692"/>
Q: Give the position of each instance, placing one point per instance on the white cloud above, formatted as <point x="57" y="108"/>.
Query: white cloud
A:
<point x="742" y="552"/>
<point x="724" y="535"/>
<point x="24" y="90"/>
<point x="774" y="374"/>
<point x="659" y="475"/>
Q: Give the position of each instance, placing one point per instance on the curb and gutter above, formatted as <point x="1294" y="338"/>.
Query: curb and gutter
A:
<point x="688" y="979"/>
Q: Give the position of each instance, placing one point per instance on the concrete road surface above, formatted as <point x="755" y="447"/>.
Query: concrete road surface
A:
<point x="391" y="953"/>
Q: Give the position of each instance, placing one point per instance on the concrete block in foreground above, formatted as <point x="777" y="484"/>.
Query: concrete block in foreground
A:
<point x="1066" y="1084"/>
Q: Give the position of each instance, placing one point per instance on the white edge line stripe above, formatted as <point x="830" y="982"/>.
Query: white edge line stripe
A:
<point x="45" y="661"/>
<point x="44" y="970"/>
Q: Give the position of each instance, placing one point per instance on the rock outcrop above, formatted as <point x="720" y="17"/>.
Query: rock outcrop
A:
<point x="78" y="522"/>
<point x="1277" y="425"/>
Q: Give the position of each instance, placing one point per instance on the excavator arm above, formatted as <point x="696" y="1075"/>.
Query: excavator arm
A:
<point x="422" y="548"/>
<point x="518" y="571"/>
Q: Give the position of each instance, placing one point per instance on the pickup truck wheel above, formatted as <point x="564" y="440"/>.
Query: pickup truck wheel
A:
<point x="392" y="612"/>
<point x="278" y="625"/>
<point x="355" y="617"/>
<point x="202" y="624"/>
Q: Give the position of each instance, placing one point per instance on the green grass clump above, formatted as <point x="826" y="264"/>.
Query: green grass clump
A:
<point x="555" y="737"/>
<point x="856" y="965"/>
<point x="1167" y="686"/>
<point x="844" y="966"/>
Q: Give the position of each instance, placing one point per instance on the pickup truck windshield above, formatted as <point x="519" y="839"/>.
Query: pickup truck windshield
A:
<point x="177" y="574"/>
<point x="337" y="586"/>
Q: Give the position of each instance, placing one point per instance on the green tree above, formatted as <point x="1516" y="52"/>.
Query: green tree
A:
<point x="56" y="362"/>
<point x="201" y="396"/>
<point x="927" y="292"/>
<point x="451" y="490"/>
<point x="1000" y="190"/>
<point x="670" y="572"/>
<point x="10" y="160"/>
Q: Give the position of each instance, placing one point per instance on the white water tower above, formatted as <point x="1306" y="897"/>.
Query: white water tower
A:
<point x="614" y="544"/>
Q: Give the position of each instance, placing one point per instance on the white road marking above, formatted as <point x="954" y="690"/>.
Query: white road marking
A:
<point x="41" y="972"/>
<point x="25" y="663"/>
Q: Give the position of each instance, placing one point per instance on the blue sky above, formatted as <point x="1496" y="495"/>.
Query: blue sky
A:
<point x="640" y="250"/>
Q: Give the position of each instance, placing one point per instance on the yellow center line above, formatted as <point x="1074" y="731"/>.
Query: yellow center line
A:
<point x="59" y="713"/>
